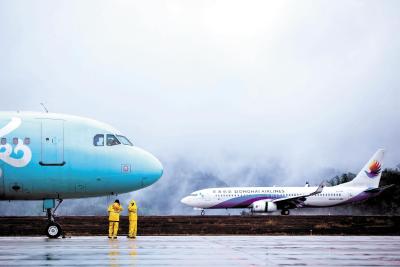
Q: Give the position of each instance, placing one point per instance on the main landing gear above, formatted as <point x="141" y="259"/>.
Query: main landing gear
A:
<point x="53" y="229"/>
<point x="285" y="212"/>
<point x="202" y="212"/>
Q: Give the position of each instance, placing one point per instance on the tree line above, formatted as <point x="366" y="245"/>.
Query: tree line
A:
<point x="387" y="203"/>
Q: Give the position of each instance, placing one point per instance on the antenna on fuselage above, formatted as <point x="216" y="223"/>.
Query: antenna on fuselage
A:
<point x="44" y="107"/>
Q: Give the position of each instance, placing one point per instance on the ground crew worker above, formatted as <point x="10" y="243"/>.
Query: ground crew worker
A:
<point x="113" y="219"/>
<point x="132" y="211"/>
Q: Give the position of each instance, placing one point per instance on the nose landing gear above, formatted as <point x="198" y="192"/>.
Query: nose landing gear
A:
<point x="53" y="229"/>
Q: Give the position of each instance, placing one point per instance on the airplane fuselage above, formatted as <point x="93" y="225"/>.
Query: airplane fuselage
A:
<point x="54" y="156"/>
<point x="244" y="197"/>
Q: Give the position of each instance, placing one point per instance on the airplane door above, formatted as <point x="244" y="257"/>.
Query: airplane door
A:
<point x="1" y="180"/>
<point x="52" y="143"/>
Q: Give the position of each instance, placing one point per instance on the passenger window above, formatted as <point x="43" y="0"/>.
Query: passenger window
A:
<point x="98" y="140"/>
<point x="3" y="141"/>
<point x="27" y="141"/>
<point x="112" y="140"/>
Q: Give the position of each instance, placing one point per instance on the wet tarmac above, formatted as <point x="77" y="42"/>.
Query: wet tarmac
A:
<point x="202" y="251"/>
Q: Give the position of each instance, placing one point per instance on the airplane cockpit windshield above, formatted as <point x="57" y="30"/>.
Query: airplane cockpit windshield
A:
<point x="110" y="140"/>
<point x="124" y="140"/>
<point x="98" y="140"/>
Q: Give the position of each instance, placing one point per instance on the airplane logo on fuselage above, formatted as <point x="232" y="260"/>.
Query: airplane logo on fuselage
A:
<point x="12" y="154"/>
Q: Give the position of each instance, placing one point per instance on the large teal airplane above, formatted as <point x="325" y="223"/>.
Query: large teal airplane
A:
<point x="49" y="157"/>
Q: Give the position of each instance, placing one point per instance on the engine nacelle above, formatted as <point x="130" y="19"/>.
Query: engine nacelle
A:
<point x="264" y="206"/>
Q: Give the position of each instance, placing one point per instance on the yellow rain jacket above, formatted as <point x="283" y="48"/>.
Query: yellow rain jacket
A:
<point x="132" y="211"/>
<point x="114" y="211"/>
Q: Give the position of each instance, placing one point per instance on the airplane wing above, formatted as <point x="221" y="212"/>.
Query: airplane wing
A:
<point x="297" y="201"/>
<point x="378" y="189"/>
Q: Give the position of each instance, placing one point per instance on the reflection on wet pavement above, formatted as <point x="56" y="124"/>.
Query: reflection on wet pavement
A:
<point x="202" y="251"/>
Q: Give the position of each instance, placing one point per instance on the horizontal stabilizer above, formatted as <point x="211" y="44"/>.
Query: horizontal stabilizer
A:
<point x="378" y="189"/>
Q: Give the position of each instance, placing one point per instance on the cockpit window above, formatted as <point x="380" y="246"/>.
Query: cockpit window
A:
<point x="112" y="140"/>
<point x="98" y="140"/>
<point x="193" y="195"/>
<point x="124" y="140"/>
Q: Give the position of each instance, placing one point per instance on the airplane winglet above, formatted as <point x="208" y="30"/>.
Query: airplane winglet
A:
<point x="319" y="189"/>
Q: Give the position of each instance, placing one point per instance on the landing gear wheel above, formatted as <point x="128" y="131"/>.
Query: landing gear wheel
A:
<point x="285" y="212"/>
<point x="202" y="213"/>
<point x="53" y="230"/>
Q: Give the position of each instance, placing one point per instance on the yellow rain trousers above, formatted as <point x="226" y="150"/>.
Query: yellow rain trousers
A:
<point x="113" y="219"/>
<point x="132" y="211"/>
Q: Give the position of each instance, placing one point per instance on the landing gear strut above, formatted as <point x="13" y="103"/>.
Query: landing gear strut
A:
<point x="285" y="212"/>
<point x="202" y="212"/>
<point x="53" y="229"/>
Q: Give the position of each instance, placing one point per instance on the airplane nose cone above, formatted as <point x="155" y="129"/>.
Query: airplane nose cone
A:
<point x="153" y="169"/>
<point x="147" y="166"/>
<point x="185" y="200"/>
<point x="156" y="169"/>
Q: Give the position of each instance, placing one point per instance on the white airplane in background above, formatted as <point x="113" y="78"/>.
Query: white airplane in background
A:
<point x="269" y="199"/>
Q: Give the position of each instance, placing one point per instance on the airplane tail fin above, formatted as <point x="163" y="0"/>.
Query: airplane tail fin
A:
<point x="370" y="174"/>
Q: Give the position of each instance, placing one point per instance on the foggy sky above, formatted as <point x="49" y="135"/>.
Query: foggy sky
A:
<point x="254" y="92"/>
